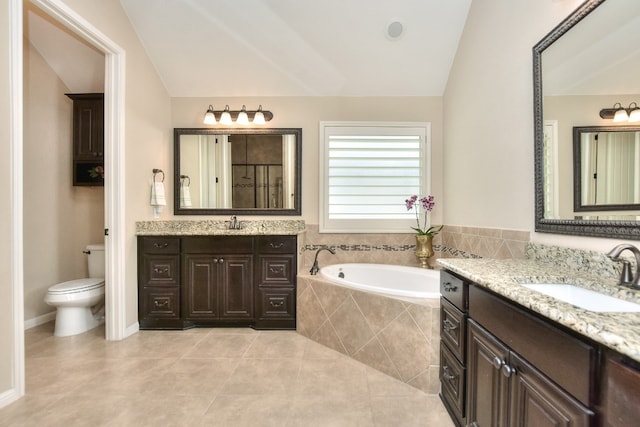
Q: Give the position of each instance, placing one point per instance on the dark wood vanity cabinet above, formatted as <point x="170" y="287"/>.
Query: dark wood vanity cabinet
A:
<point x="88" y="138"/>
<point x="159" y="282"/>
<point x="275" y="280"/>
<point x="217" y="281"/>
<point x="524" y="371"/>
<point x="453" y="338"/>
<point x="502" y="365"/>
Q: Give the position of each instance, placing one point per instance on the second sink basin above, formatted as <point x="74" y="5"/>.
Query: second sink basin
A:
<point x="584" y="298"/>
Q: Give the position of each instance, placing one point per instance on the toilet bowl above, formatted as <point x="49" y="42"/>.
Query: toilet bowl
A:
<point x="80" y="303"/>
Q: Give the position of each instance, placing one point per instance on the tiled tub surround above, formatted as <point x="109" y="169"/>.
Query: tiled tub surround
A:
<point x="397" y="336"/>
<point x="544" y="264"/>
<point x="453" y="241"/>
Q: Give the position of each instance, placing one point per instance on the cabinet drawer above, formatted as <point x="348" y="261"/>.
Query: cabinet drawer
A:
<point x="452" y="380"/>
<point x="160" y="245"/>
<point x="277" y="244"/>
<point x="158" y="270"/>
<point x="218" y="244"/>
<point x="567" y="360"/>
<point x="160" y="303"/>
<point x="276" y="270"/>
<point x="453" y="327"/>
<point x="454" y="289"/>
<point x="276" y="303"/>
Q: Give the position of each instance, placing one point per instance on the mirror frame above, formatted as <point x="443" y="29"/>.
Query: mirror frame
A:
<point x="577" y="169"/>
<point x="592" y="228"/>
<point x="177" y="210"/>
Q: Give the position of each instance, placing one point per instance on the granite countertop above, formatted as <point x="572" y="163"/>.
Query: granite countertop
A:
<point x="618" y="331"/>
<point x="218" y="228"/>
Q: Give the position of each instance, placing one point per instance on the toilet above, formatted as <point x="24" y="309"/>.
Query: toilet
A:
<point x="80" y="302"/>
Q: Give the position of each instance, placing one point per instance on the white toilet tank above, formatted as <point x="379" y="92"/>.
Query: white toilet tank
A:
<point x="95" y="259"/>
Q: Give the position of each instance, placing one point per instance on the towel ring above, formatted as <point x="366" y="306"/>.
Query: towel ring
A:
<point x="157" y="171"/>
<point x="183" y="177"/>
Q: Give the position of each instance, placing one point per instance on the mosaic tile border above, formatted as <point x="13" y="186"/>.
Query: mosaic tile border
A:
<point x="391" y="248"/>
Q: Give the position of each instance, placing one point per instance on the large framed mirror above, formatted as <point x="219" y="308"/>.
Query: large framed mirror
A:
<point x="237" y="171"/>
<point x="582" y="66"/>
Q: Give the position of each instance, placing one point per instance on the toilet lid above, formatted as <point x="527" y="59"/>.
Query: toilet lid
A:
<point x="78" y="285"/>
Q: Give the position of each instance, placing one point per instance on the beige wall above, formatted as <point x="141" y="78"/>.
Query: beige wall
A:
<point x="59" y="219"/>
<point x="6" y="294"/>
<point x="307" y="112"/>
<point x="147" y="132"/>
<point x="488" y="119"/>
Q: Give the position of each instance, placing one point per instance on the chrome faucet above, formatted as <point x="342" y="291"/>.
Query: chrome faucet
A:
<point x="234" y="224"/>
<point x="626" y="277"/>
<point x="315" y="268"/>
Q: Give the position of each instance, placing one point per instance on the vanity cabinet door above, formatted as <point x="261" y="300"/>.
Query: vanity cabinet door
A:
<point x="538" y="402"/>
<point x="200" y="287"/>
<point x="487" y="386"/>
<point x="236" y="286"/>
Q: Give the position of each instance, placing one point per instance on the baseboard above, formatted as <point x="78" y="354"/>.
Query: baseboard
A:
<point x="8" y="397"/>
<point x="132" y="329"/>
<point x="40" y="320"/>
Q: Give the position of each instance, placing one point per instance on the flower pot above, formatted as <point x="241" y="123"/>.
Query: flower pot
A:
<point x="424" y="249"/>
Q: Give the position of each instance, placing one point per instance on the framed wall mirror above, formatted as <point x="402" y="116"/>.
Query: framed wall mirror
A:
<point x="582" y="66"/>
<point x="237" y="171"/>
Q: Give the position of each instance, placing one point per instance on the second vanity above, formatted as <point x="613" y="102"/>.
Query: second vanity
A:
<point x="202" y="274"/>
<point x="513" y="356"/>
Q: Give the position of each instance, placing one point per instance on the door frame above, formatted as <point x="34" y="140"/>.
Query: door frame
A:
<point x="114" y="120"/>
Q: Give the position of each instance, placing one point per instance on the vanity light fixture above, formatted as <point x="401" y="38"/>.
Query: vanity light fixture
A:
<point x="620" y="114"/>
<point x="241" y="117"/>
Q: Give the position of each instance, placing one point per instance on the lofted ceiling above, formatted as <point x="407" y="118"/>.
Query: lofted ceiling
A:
<point x="217" y="48"/>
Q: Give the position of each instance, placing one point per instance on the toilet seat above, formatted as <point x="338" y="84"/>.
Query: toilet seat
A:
<point x="77" y="285"/>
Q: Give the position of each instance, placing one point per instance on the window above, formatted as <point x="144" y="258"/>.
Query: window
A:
<point x="367" y="171"/>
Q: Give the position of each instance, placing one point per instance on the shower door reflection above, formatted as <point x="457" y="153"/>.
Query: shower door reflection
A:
<point x="257" y="186"/>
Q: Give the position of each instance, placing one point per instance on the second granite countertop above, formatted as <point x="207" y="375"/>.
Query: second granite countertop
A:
<point x="618" y="331"/>
<point x="218" y="228"/>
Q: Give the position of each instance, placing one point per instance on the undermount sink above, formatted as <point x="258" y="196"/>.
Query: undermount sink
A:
<point x="584" y="298"/>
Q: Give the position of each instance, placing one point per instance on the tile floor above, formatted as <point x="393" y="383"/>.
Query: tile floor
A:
<point x="208" y="377"/>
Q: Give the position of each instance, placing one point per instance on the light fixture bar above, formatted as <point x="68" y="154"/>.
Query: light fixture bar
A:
<point x="251" y="114"/>
<point x="618" y="113"/>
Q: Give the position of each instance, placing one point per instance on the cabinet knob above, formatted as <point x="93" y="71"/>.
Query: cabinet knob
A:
<point x="449" y="287"/>
<point x="446" y="374"/>
<point x="498" y="363"/>
<point x="507" y="371"/>
<point x="276" y="245"/>
<point x="161" y="270"/>
<point x="276" y="304"/>
<point x="221" y="260"/>
<point x="161" y="245"/>
<point x="448" y="325"/>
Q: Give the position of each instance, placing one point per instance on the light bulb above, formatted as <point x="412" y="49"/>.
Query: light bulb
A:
<point x="243" y="118"/>
<point x="259" y="117"/>
<point x="209" y="117"/>
<point x="225" y="118"/>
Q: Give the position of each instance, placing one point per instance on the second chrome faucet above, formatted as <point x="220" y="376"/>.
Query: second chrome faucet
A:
<point x="315" y="268"/>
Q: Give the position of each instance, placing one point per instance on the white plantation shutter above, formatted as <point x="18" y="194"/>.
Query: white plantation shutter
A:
<point x="368" y="170"/>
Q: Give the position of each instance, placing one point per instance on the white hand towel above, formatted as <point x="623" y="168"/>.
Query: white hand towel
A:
<point x="157" y="198"/>
<point x="185" y="195"/>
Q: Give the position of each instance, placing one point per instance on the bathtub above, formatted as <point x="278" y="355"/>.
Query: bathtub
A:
<point x="385" y="316"/>
<point x="396" y="280"/>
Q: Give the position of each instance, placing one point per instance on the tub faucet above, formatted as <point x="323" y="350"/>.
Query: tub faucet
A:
<point x="315" y="268"/>
<point x="626" y="277"/>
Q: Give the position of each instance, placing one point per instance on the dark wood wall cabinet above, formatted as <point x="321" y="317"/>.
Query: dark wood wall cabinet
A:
<point x="193" y="281"/>
<point x="88" y="138"/>
<point x="504" y="365"/>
